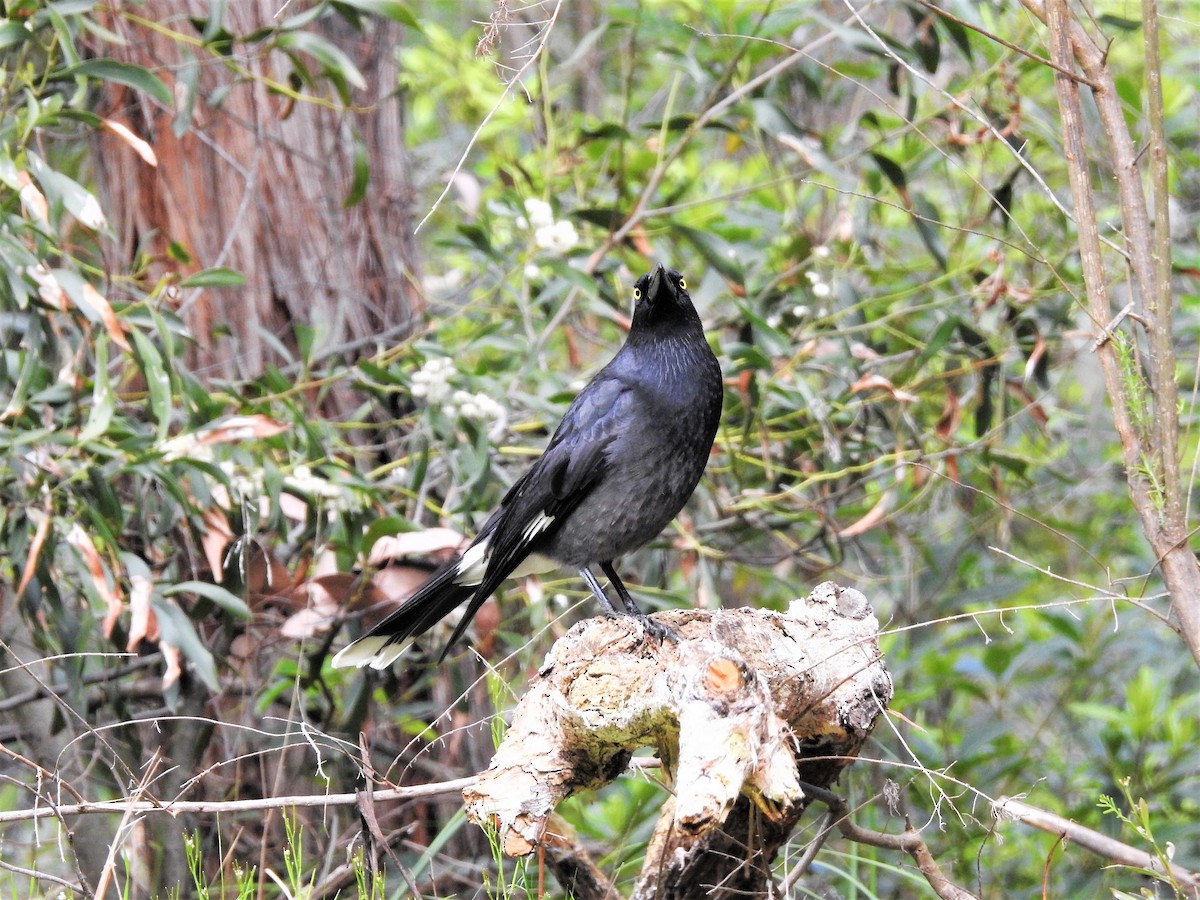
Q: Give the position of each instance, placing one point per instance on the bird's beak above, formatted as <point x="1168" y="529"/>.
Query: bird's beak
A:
<point x="656" y="280"/>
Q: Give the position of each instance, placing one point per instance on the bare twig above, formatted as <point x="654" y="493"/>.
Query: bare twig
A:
<point x="1106" y="332"/>
<point x="74" y="887"/>
<point x="909" y="842"/>
<point x="996" y="39"/>
<point x="517" y="76"/>
<point x="178" y="807"/>
<point x="1095" y="842"/>
<point x="1149" y="443"/>
<point x="640" y="210"/>
<point x="59" y="688"/>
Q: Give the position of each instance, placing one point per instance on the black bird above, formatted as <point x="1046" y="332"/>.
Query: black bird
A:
<point x="621" y="464"/>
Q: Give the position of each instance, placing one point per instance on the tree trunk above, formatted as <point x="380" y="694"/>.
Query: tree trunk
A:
<point x="257" y="182"/>
<point x="745" y="708"/>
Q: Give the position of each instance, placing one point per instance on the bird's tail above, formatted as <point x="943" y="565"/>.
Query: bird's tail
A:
<point x="449" y="587"/>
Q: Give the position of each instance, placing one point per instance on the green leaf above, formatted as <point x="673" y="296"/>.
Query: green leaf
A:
<point x="361" y="177"/>
<point x="388" y="9"/>
<point x="158" y="382"/>
<point x="605" y="131"/>
<point x="925" y="42"/>
<point x="121" y="73"/>
<point x="332" y="59"/>
<point x="73" y="196"/>
<point x="715" y="252"/>
<point x="929" y="220"/>
<point x="176" y="629"/>
<point x="961" y="37"/>
<point x="12" y="33"/>
<point x="606" y="217"/>
<point x="940" y="337"/>
<point x="387" y="526"/>
<point x="1120" y="23"/>
<point x="215" y="277"/>
<point x="892" y="172"/>
<point x="223" y="598"/>
<point x="103" y="399"/>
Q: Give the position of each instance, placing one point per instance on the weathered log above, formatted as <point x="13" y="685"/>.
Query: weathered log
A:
<point x="745" y="706"/>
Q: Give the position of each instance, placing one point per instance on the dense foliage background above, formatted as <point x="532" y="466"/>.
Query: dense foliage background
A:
<point x="290" y="288"/>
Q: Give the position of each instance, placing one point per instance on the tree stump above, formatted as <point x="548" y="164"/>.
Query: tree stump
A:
<point x="742" y="709"/>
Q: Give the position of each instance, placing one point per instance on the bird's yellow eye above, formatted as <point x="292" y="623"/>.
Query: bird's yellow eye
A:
<point x="637" y="293"/>
<point x="682" y="284"/>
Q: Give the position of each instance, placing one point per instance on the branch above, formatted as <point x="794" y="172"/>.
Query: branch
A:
<point x="741" y="706"/>
<point x="1149" y="446"/>
<point x="1182" y="879"/>
<point x="520" y="73"/>
<point x="640" y="210"/>
<point x="909" y="842"/>
<point x="178" y="807"/>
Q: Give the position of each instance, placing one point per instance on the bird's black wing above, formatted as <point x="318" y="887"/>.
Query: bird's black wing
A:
<point x="574" y="462"/>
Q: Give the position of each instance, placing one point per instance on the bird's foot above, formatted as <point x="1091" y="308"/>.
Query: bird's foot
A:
<point x="656" y="629"/>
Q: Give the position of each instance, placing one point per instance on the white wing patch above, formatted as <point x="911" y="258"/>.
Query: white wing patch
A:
<point x="537" y="526"/>
<point x="472" y="565"/>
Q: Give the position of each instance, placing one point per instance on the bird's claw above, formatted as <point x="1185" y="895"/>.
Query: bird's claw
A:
<point x="656" y="629"/>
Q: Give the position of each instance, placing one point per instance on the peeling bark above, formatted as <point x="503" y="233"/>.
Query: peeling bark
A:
<point x="742" y="708"/>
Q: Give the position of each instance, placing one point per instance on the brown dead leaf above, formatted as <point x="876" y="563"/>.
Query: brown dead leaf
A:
<point x="1035" y="356"/>
<point x="641" y="242"/>
<point x="216" y="538"/>
<point x="948" y="421"/>
<point x="874" y="517"/>
<point x="574" y="360"/>
<point x="293" y="507"/>
<point x="326" y="597"/>
<point x="873" y="382"/>
<point x="35" y="549"/>
<point x="744" y="381"/>
<point x="82" y="542"/>
<point x="32" y="199"/>
<point x="174" y="660"/>
<point x="819" y="348"/>
<point x="952" y="469"/>
<point x="439" y="543"/>
<point x="140" y="147"/>
<point x="305" y="624"/>
<point x="49" y="290"/>
<point x="395" y="582"/>
<point x="262" y="573"/>
<point x="861" y="351"/>
<point x="100" y="306"/>
<point x="227" y="431"/>
<point x="1035" y="409"/>
<point x="240" y="428"/>
<point x="143" y="623"/>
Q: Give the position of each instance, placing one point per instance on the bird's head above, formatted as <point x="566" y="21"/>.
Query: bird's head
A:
<point x="659" y="296"/>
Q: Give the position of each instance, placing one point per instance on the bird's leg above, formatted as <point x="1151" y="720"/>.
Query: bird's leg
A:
<point x="622" y="592"/>
<point x="659" y="630"/>
<point x="598" y="592"/>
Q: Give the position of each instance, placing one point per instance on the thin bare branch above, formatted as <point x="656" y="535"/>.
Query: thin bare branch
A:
<point x="516" y="79"/>
<point x="996" y="39"/>
<point x="909" y="841"/>
<point x="1150" y="447"/>
<point x="178" y="807"/>
<point x="1095" y="842"/>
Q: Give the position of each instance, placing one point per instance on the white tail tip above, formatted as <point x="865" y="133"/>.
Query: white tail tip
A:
<point x="373" y="650"/>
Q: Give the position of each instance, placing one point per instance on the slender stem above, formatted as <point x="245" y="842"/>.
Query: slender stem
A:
<point x="176" y="807"/>
<point x="1158" y="303"/>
